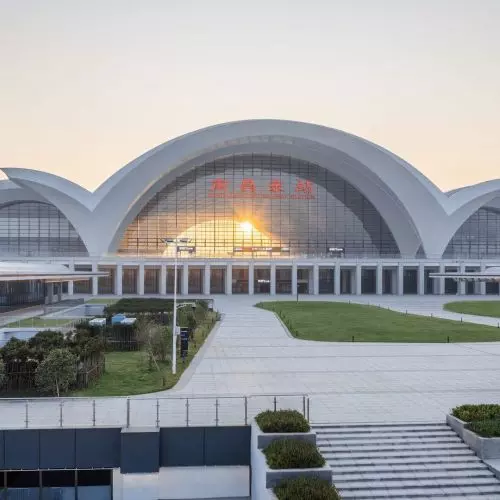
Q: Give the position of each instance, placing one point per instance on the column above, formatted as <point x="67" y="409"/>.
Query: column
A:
<point x="336" y="279"/>
<point x="316" y="279"/>
<point x="229" y="279"/>
<point x="95" y="282"/>
<point x="421" y="279"/>
<point x="442" y="269"/>
<point x="163" y="279"/>
<point x="400" y="279"/>
<point x="250" y="278"/>
<point x="461" y="284"/>
<point x="357" y="289"/>
<point x="140" y="280"/>
<point x="272" y="277"/>
<point x="119" y="279"/>
<point x="379" y="279"/>
<point x="70" y="283"/>
<point x="185" y="279"/>
<point x="50" y="293"/>
<point x="482" y="284"/>
<point x="206" y="280"/>
<point x="294" y="279"/>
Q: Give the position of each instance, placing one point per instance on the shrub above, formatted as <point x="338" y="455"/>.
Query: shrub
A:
<point x="57" y="371"/>
<point x="293" y="454"/>
<point x="310" y="488"/>
<point x="2" y="373"/>
<point x="470" y="413"/>
<point x="282" y="421"/>
<point x="485" y="428"/>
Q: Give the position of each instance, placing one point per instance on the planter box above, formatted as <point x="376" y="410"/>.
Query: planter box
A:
<point x="456" y="424"/>
<point x="485" y="448"/>
<point x="264" y="478"/>
<point x="264" y="439"/>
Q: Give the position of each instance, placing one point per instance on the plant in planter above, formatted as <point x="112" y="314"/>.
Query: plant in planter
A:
<point x="310" y="488"/>
<point x="293" y="454"/>
<point x="471" y="413"/>
<point x="282" y="421"/>
<point x="485" y="428"/>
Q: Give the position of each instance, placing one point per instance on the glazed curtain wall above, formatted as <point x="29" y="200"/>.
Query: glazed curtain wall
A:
<point x="261" y="205"/>
<point x="33" y="229"/>
<point x="478" y="237"/>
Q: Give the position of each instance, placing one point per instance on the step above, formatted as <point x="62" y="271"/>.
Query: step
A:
<point x="408" y="461"/>
<point x="403" y="453"/>
<point x="417" y="483"/>
<point x="344" y="436"/>
<point x="488" y="491"/>
<point x="408" y="475"/>
<point x="409" y="427"/>
<point x="425" y="467"/>
<point x="375" y="446"/>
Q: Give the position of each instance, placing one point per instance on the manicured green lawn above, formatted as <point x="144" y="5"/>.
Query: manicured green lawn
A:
<point x="101" y="301"/>
<point x="128" y="373"/>
<point x="476" y="307"/>
<point x="340" y="322"/>
<point x="39" y="322"/>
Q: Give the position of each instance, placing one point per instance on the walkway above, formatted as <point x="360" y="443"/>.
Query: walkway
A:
<point x="251" y="353"/>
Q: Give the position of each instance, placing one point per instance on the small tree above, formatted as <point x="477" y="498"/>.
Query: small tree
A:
<point x="57" y="371"/>
<point x="2" y="373"/>
<point x="154" y="341"/>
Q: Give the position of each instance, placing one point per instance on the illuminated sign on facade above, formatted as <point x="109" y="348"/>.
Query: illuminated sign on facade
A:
<point x="303" y="190"/>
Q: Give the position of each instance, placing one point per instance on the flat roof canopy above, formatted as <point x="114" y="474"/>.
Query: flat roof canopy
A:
<point x="53" y="273"/>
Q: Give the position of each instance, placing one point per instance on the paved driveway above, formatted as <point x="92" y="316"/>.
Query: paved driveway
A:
<point x="252" y="354"/>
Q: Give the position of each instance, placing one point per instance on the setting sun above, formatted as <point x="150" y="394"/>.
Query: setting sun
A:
<point x="246" y="227"/>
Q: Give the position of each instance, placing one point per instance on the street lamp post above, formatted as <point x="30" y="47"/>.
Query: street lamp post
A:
<point x="175" y="242"/>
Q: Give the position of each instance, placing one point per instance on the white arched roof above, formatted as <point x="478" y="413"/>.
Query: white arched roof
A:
<point x="416" y="211"/>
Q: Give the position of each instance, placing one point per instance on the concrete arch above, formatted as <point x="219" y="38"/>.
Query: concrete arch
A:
<point x="415" y="210"/>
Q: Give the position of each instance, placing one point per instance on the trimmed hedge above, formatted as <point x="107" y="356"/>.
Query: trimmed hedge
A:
<point x="310" y="488"/>
<point x="470" y="413"/>
<point x="293" y="454"/>
<point x="282" y="421"/>
<point x="485" y="428"/>
<point x="153" y="306"/>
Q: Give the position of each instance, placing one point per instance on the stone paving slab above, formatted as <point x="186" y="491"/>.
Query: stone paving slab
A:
<point x="252" y="354"/>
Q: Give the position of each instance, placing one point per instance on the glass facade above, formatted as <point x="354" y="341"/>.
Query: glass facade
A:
<point x="14" y="294"/>
<point x="478" y="237"/>
<point x="33" y="229"/>
<point x="260" y="206"/>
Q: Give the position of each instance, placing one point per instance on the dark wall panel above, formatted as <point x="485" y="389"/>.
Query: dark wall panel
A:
<point x="182" y="446"/>
<point x="57" y="449"/>
<point x="227" y="445"/>
<point x="2" y="465"/>
<point x="98" y="448"/>
<point x="22" y="449"/>
<point x="140" y="450"/>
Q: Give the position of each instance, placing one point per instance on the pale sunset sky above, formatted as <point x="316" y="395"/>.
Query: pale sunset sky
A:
<point x="88" y="85"/>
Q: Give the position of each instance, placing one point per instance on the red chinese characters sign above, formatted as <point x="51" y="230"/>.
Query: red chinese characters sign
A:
<point x="275" y="189"/>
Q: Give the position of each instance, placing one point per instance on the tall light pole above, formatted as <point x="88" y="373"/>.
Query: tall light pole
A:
<point x="175" y="242"/>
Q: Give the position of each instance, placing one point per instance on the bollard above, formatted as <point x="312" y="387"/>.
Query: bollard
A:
<point x="448" y="340"/>
<point x="353" y="338"/>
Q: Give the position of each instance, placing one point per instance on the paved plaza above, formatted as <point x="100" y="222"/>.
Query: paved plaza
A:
<point x="251" y="353"/>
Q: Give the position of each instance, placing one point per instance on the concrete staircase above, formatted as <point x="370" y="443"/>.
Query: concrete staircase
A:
<point x="404" y="461"/>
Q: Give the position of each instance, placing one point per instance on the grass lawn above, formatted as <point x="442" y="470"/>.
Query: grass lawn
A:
<point x="101" y="301"/>
<point x="339" y="322"/>
<point x="128" y="373"/>
<point x="477" y="307"/>
<point x="39" y="322"/>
